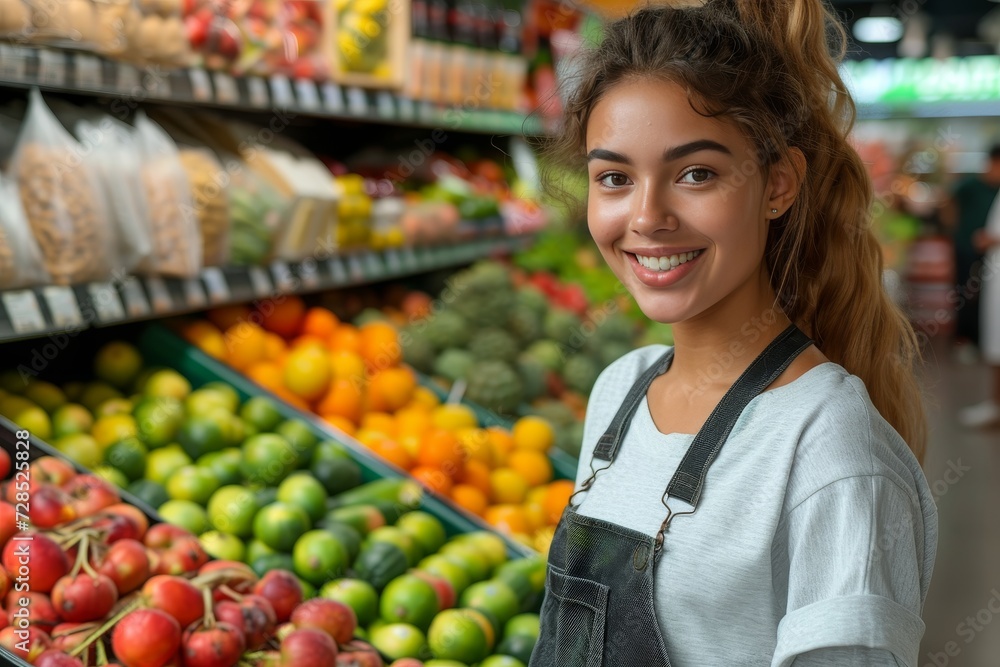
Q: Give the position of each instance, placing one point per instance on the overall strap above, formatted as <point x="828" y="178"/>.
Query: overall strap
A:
<point x="687" y="482"/>
<point x="608" y="444"/>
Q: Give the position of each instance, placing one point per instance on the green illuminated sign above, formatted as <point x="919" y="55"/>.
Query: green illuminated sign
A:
<point x="916" y="80"/>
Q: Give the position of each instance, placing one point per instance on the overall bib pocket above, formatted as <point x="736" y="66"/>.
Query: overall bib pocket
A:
<point x="579" y="608"/>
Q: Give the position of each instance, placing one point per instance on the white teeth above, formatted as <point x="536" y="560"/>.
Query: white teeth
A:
<point x="666" y="263"/>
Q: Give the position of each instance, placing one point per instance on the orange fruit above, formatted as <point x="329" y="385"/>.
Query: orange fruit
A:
<point x="345" y="338"/>
<point x="534" y="466"/>
<point x="425" y="397"/>
<point x="433" y="478"/>
<point x="535" y="514"/>
<point x="393" y="452"/>
<point x="441" y="449"/>
<point x="342" y="423"/>
<point x="380" y="346"/>
<point x="412" y="422"/>
<point x="507" y="486"/>
<point x="391" y="389"/>
<point x="501" y="443"/>
<point x="245" y="345"/>
<point x="477" y="474"/>
<point x="534" y="433"/>
<point x="416" y="305"/>
<point x="536" y="496"/>
<point x="308" y="341"/>
<point x="470" y="498"/>
<point x="379" y="422"/>
<point x="225" y="317"/>
<point x="343" y="399"/>
<point x="275" y="347"/>
<point x="454" y="416"/>
<point x="306" y="372"/>
<point x="283" y="315"/>
<point x="319" y="322"/>
<point x="348" y="366"/>
<point x="556" y="498"/>
<point x="476" y="445"/>
<point x="266" y="374"/>
<point x="508" y="519"/>
<point x="206" y="337"/>
<point x="412" y="444"/>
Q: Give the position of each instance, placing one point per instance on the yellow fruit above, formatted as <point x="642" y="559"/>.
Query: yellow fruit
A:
<point x="425" y="397"/>
<point x="543" y="539"/>
<point x="307" y="372"/>
<point x="348" y="366"/>
<point x="501" y="443"/>
<point x="534" y="466"/>
<point x="379" y="422"/>
<point x="34" y="420"/>
<point x="206" y="337"/>
<point x="533" y="433"/>
<point x="391" y="389"/>
<point x="109" y="430"/>
<point x="246" y="344"/>
<point x="412" y="422"/>
<point x="507" y="486"/>
<point x="454" y="416"/>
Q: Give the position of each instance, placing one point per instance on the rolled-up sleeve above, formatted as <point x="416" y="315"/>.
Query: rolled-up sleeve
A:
<point x="855" y="556"/>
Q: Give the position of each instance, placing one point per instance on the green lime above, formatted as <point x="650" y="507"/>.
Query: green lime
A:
<point x="477" y="564"/>
<point x="319" y="557"/>
<point x="275" y="561"/>
<point x="457" y="634"/>
<point x="192" y="483"/>
<point x="261" y="413"/>
<point x="396" y="536"/>
<point x="201" y="435"/>
<point x="231" y="509"/>
<point x="46" y="395"/>
<point x="256" y="549"/>
<point x="444" y="663"/>
<point x="357" y="594"/>
<point x="232" y="398"/>
<point x="280" y="525"/>
<point x="350" y="538"/>
<point x="409" y="599"/>
<point x="501" y="661"/>
<point x="267" y="459"/>
<point x="159" y="420"/>
<point x="426" y="529"/>
<point x="362" y="518"/>
<point x="494" y="596"/>
<point x="300" y="437"/>
<point x="118" y="363"/>
<point x="399" y="640"/>
<point x="448" y="568"/>
<point x="517" y="646"/>
<point x="223" y="546"/>
<point x="490" y="544"/>
<point x="166" y="383"/>
<point x="185" y="514"/>
<point x="97" y="393"/>
<point x="162" y="463"/>
<point x="225" y="465"/>
<point x="81" y="448"/>
<point x="201" y="402"/>
<point x="114" y="406"/>
<point x="304" y="490"/>
<point x="71" y="418"/>
<point x="336" y="475"/>
<point x="128" y="456"/>
<point x="331" y="450"/>
<point x="112" y="475"/>
<point x="149" y="492"/>
<point x="139" y="385"/>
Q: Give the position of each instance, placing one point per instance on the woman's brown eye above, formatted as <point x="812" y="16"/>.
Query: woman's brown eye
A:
<point x="618" y="180"/>
<point x="699" y="175"/>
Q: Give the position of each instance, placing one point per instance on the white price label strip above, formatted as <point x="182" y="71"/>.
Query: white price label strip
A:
<point x="135" y="299"/>
<point x="226" y="91"/>
<point x="63" y="307"/>
<point x="257" y="90"/>
<point x="283" y="278"/>
<point x="357" y="101"/>
<point x="392" y="262"/>
<point x="51" y="68"/>
<point x="337" y="271"/>
<point x="194" y="293"/>
<point x="386" y="105"/>
<point x="88" y="72"/>
<point x="12" y="62"/>
<point x="215" y="280"/>
<point x="281" y="91"/>
<point x="23" y="311"/>
<point x="308" y="94"/>
<point x="128" y="78"/>
<point x="333" y="98"/>
<point x="159" y="294"/>
<point x="309" y="273"/>
<point x="406" y="109"/>
<point x="106" y="302"/>
<point x="260" y="282"/>
<point x="355" y="268"/>
<point x="201" y="85"/>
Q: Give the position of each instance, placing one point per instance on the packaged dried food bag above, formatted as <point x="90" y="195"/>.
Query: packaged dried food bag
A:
<point x="208" y="181"/>
<point x="173" y="224"/>
<point x="20" y="259"/>
<point x="61" y="199"/>
<point x="114" y="156"/>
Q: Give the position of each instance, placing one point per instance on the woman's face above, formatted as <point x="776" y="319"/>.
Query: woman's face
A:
<point x="676" y="200"/>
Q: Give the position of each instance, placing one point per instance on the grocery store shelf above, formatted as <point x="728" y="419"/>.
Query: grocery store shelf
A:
<point x="22" y="66"/>
<point x="57" y="310"/>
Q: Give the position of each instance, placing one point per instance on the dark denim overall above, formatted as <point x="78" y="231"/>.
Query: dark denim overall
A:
<point x="599" y="599"/>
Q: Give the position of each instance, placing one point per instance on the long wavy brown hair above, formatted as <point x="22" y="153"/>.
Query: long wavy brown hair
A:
<point x="770" y="67"/>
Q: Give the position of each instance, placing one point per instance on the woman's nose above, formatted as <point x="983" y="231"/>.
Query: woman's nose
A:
<point x="653" y="212"/>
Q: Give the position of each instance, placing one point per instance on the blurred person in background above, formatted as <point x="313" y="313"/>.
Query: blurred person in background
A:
<point x="966" y="215"/>
<point x="987" y="242"/>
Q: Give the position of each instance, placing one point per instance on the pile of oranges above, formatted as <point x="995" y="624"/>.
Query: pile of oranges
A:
<point x="354" y="379"/>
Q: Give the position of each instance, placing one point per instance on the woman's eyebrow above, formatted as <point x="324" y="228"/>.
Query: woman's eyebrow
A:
<point x="610" y="156"/>
<point x="684" y="150"/>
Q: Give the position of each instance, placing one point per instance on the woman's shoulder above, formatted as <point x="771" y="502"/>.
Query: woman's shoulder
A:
<point x="618" y="377"/>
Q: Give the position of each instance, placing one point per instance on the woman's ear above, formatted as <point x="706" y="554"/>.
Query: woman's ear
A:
<point x="784" y="182"/>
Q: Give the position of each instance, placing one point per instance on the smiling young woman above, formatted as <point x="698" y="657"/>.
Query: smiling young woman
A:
<point x="752" y="495"/>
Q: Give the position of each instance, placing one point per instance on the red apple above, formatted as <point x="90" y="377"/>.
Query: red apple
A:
<point x="146" y="638"/>
<point x="218" y="646"/>
<point x="67" y="636"/>
<point x="4" y="464"/>
<point x="308" y="648"/>
<point x="8" y="522"/>
<point x="5" y="583"/>
<point x="253" y="615"/>
<point x="37" y="641"/>
<point x="29" y="607"/>
<point x="133" y="513"/>
<point x="241" y="581"/>
<point x="164" y="535"/>
<point x="283" y="590"/>
<point x="84" y="598"/>
<point x="118" y="527"/>
<point x="56" y="658"/>
<point x="186" y="555"/>
<point x="175" y="596"/>
<point x="445" y="593"/>
<point x="127" y="564"/>
<point x="334" y="618"/>
<point x="357" y="653"/>
<point x="50" y="507"/>
<point x="51" y="470"/>
<point x="90" y="494"/>
<point x="39" y="560"/>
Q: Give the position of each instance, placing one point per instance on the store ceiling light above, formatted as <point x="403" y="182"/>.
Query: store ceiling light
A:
<point x="878" y="29"/>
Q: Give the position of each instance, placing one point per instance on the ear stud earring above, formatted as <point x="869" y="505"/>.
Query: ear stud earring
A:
<point x="774" y="210"/>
